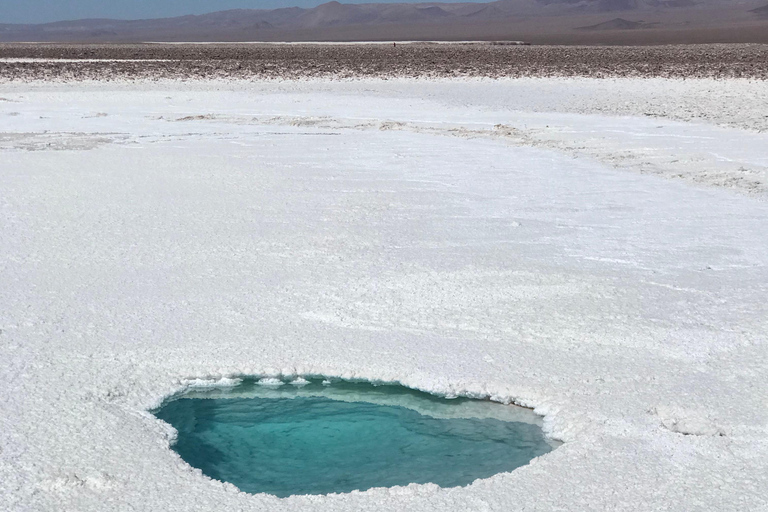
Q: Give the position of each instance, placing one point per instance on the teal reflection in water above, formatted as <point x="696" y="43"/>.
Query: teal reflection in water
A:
<point x="317" y="438"/>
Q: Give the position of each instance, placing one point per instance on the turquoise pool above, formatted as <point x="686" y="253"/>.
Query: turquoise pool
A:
<point x="318" y="436"/>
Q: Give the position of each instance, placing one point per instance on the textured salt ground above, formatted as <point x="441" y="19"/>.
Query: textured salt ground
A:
<point x="384" y="231"/>
<point x="78" y="62"/>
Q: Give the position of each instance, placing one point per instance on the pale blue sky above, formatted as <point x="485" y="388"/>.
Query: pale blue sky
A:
<point x="42" y="11"/>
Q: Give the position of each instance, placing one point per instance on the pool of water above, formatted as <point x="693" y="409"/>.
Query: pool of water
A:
<point x="318" y="437"/>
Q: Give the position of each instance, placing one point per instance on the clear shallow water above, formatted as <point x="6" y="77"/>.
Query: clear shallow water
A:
<point x="318" y="438"/>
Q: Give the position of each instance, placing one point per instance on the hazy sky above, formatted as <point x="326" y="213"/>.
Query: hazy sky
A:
<point x="41" y="11"/>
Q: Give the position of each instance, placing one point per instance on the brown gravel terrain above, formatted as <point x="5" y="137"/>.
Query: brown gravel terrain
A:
<point x="293" y="61"/>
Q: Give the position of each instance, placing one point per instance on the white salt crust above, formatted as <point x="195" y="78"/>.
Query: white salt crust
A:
<point x="539" y="242"/>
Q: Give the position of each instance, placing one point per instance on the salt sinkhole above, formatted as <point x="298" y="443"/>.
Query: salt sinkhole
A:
<point x="319" y="436"/>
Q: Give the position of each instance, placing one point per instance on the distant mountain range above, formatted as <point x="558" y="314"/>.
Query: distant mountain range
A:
<point x="557" y="21"/>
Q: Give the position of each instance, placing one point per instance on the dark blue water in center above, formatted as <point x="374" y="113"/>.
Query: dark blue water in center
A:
<point x="317" y="440"/>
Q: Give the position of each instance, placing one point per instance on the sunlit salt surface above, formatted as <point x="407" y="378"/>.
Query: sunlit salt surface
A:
<point x="319" y="437"/>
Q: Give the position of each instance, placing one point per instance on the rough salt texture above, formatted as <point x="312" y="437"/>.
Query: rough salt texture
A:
<point x="293" y="61"/>
<point x="481" y="238"/>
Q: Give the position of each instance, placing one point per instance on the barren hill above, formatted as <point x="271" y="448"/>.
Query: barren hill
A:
<point x="537" y="21"/>
<point x="617" y="24"/>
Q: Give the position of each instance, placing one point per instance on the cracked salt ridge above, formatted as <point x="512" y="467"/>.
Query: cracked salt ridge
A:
<point x="743" y="171"/>
<point x="119" y="280"/>
<point x="649" y="146"/>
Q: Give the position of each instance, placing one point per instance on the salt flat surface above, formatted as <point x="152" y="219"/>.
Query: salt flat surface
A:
<point x="605" y="267"/>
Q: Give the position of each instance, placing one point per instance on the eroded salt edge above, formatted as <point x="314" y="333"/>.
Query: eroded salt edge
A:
<point x="444" y="390"/>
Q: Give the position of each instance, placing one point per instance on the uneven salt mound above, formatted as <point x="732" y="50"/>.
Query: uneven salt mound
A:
<point x="316" y="438"/>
